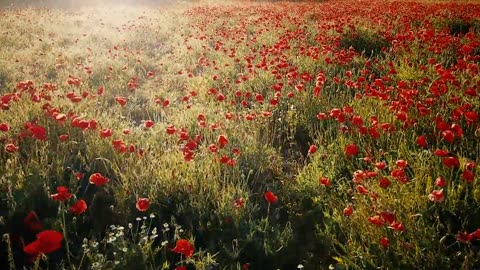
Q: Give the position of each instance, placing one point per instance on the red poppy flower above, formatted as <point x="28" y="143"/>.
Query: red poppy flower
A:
<point x="384" y="242"/>
<point x="184" y="247"/>
<point x="321" y="116"/>
<point x="440" y="182"/>
<point x="448" y="135"/>
<point x="47" y="241"/>
<point x="259" y="98"/>
<point x="222" y="141"/>
<point x="324" y="181"/>
<point x="92" y="124"/>
<point x="348" y="211"/>
<point x="80" y="123"/>
<point x="362" y="190"/>
<point x="351" y="150"/>
<point x="78" y="175"/>
<point x="143" y="204"/>
<point x="463" y="237"/>
<point x="471" y="116"/>
<point x="270" y="197"/>
<point x="100" y="90"/>
<point x="79" y="207"/>
<point x="171" y="130"/>
<point x="224" y="159"/>
<point x="98" y="179"/>
<point x="384" y="182"/>
<point x="37" y="132"/>
<point x="441" y="153"/>
<point x="149" y="123"/>
<point x="10" y="148"/>
<point x="62" y="194"/>
<point x="312" y="149"/>
<point x="377" y="220"/>
<point x="397" y="226"/>
<point x="32" y="222"/>
<point x="212" y="148"/>
<point x="104" y="133"/>
<point x="401" y="163"/>
<point x="239" y="203"/>
<point x="220" y="97"/>
<point x="388" y="217"/>
<point x="121" y="100"/>
<point x="63" y="137"/>
<point x="436" y="196"/>
<point x="451" y="162"/>
<point x="188" y="154"/>
<point x="119" y="145"/>
<point x="470" y="165"/>
<point x="468" y="176"/>
<point x="4" y="127"/>
<point x="192" y="145"/>
<point x="181" y="267"/>
<point x="474" y="235"/>
<point x="381" y="165"/>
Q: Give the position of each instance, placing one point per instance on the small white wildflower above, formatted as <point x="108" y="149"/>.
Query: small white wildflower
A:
<point x="164" y="243"/>
<point x="152" y="215"/>
<point x="300" y="266"/>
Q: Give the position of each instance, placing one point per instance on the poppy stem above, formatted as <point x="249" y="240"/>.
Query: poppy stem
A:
<point x="64" y="230"/>
<point x="11" y="260"/>
<point x="267" y="218"/>
<point x="37" y="263"/>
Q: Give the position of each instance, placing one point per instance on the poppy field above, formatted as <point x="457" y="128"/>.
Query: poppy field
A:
<point x="240" y="135"/>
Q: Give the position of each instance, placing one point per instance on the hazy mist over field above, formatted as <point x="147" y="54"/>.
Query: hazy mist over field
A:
<point x="78" y="3"/>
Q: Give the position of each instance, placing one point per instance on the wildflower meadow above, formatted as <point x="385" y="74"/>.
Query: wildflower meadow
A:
<point x="335" y="134"/>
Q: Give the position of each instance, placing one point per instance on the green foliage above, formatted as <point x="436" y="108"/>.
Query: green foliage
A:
<point x="365" y="42"/>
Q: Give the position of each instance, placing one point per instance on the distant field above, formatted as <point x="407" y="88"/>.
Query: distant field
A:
<point x="240" y="135"/>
